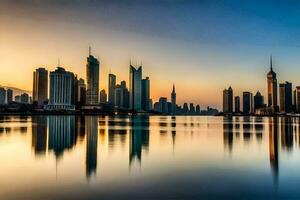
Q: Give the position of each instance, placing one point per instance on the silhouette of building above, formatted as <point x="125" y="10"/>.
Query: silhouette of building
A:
<point x="272" y="87"/>
<point x="285" y="95"/>
<point x="198" y="111"/>
<point x="258" y="100"/>
<point x="2" y="96"/>
<point x="247" y="103"/>
<point x="273" y="147"/>
<point x="111" y="88"/>
<point x="18" y="98"/>
<point x="185" y="108"/>
<point x="126" y="94"/>
<point x="162" y="106"/>
<point x="228" y="100"/>
<point x="61" y="90"/>
<point x="24" y="98"/>
<point x="297" y="99"/>
<point x="92" y="78"/>
<point x="145" y="94"/>
<point x="103" y="96"/>
<point x="40" y="86"/>
<point x="135" y="88"/>
<point x="237" y="104"/>
<point x="9" y="96"/>
<point x="81" y="97"/>
<point x="192" y="109"/>
<point x="173" y="101"/>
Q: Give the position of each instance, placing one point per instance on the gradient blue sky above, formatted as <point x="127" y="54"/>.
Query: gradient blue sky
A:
<point x="201" y="46"/>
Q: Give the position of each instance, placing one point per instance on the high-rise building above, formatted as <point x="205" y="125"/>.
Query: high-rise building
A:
<point x="40" y="86"/>
<point x="237" y="104"/>
<point x="163" y="105"/>
<point x="92" y="77"/>
<point x="24" y="98"/>
<point x="2" y="95"/>
<point x="135" y="88"/>
<point x="247" y="102"/>
<point x="258" y="100"/>
<point x="185" y="108"/>
<point x="126" y="94"/>
<point x="145" y="93"/>
<point x="119" y="96"/>
<point x="285" y="94"/>
<point x="192" y="109"/>
<point x="9" y="96"/>
<point x="81" y="93"/>
<point x="198" y="110"/>
<point x="61" y="89"/>
<point x="103" y="96"/>
<point x="173" y="100"/>
<point x="228" y="100"/>
<point x="297" y="99"/>
<point x="111" y="88"/>
<point x="272" y="87"/>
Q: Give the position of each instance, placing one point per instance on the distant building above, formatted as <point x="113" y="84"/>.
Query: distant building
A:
<point x="247" y="102"/>
<point x="297" y="99"/>
<point x="2" y="95"/>
<point x="145" y="94"/>
<point x="163" y="105"/>
<point x="9" y="96"/>
<point x="18" y="98"/>
<point x="272" y="87"/>
<point x="119" y="96"/>
<point x="258" y="101"/>
<point x="237" y="104"/>
<point x="40" y="86"/>
<point x="285" y="94"/>
<point x="173" y="100"/>
<point x="81" y="96"/>
<point x="185" y="108"/>
<point x="198" y="111"/>
<point x="24" y="98"/>
<point x="228" y="100"/>
<point x="126" y="94"/>
<point x="135" y="88"/>
<point x="103" y="96"/>
<point x="61" y="89"/>
<point x="192" y="109"/>
<point x="111" y="88"/>
<point x="92" y="77"/>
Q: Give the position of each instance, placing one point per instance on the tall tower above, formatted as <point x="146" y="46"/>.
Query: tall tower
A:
<point x="272" y="86"/>
<point x="145" y="93"/>
<point x="173" y="100"/>
<point x="111" y="88"/>
<point x="228" y="100"/>
<point x="135" y="88"/>
<point x="92" y="77"/>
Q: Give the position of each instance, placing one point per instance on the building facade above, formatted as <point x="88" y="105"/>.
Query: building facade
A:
<point x="258" y="101"/>
<point x="272" y="87"/>
<point x="111" y="88"/>
<point x="2" y="96"/>
<point x="9" y="96"/>
<point x="237" y="104"/>
<point x="103" y="96"/>
<point x="92" y="78"/>
<point x="145" y="94"/>
<point x="228" y="100"/>
<point x="40" y="86"/>
<point x="135" y="88"/>
<point x="173" y="100"/>
<point x="247" y="103"/>
<point x="285" y="96"/>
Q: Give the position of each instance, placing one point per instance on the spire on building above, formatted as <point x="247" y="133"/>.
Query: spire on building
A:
<point x="173" y="91"/>
<point x="90" y="50"/>
<point x="271" y="63"/>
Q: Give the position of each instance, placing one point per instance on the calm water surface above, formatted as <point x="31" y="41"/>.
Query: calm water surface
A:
<point x="157" y="157"/>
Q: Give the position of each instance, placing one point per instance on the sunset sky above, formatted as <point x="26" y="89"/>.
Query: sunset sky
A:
<point x="201" y="46"/>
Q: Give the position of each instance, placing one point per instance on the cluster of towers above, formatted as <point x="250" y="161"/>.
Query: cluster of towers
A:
<point x="256" y="105"/>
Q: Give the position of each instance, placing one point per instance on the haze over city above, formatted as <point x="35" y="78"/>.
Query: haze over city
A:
<point x="201" y="46"/>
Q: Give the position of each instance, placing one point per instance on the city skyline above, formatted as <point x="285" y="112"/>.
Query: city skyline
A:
<point x="208" y="57"/>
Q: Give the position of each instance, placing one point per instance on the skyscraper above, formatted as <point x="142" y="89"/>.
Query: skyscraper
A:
<point x="163" y="105"/>
<point x="247" y="102"/>
<point x="9" y="96"/>
<point x="119" y="96"/>
<point x="135" y="88"/>
<point x="237" y="104"/>
<point x="92" y="77"/>
<point x="272" y="87"/>
<point x="173" y="100"/>
<point x="145" y="93"/>
<point x="2" y="95"/>
<point x="297" y="99"/>
<point x="103" y="96"/>
<point x="258" y="100"/>
<point x="61" y="89"/>
<point x="228" y="100"/>
<point x="81" y="93"/>
<point x="40" y="86"/>
<point x="111" y="88"/>
<point x="285" y="94"/>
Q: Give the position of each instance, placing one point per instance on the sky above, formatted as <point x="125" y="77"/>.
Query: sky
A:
<point x="202" y="47"/>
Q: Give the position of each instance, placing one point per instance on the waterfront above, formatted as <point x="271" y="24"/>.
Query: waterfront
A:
<point x="142" y="157"/>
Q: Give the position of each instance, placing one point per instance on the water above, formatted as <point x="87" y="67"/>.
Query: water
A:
<point x="157" y="157"/>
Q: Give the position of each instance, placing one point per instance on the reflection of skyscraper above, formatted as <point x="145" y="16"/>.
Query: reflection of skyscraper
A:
<point x="287" y="139"/>
<point x="91" y="126"/>
<point x="139" y="137"/>
<point x="39" y="134"/>
<point x="272" y="87"/>
<point x="62" y="133"/>
<point x="228" y="133"/>
<point x="273" y="146"/>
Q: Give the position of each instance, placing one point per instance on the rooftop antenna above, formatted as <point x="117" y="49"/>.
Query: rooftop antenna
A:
<point x="90" y="50"/>
<point x="271" y="63"/>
